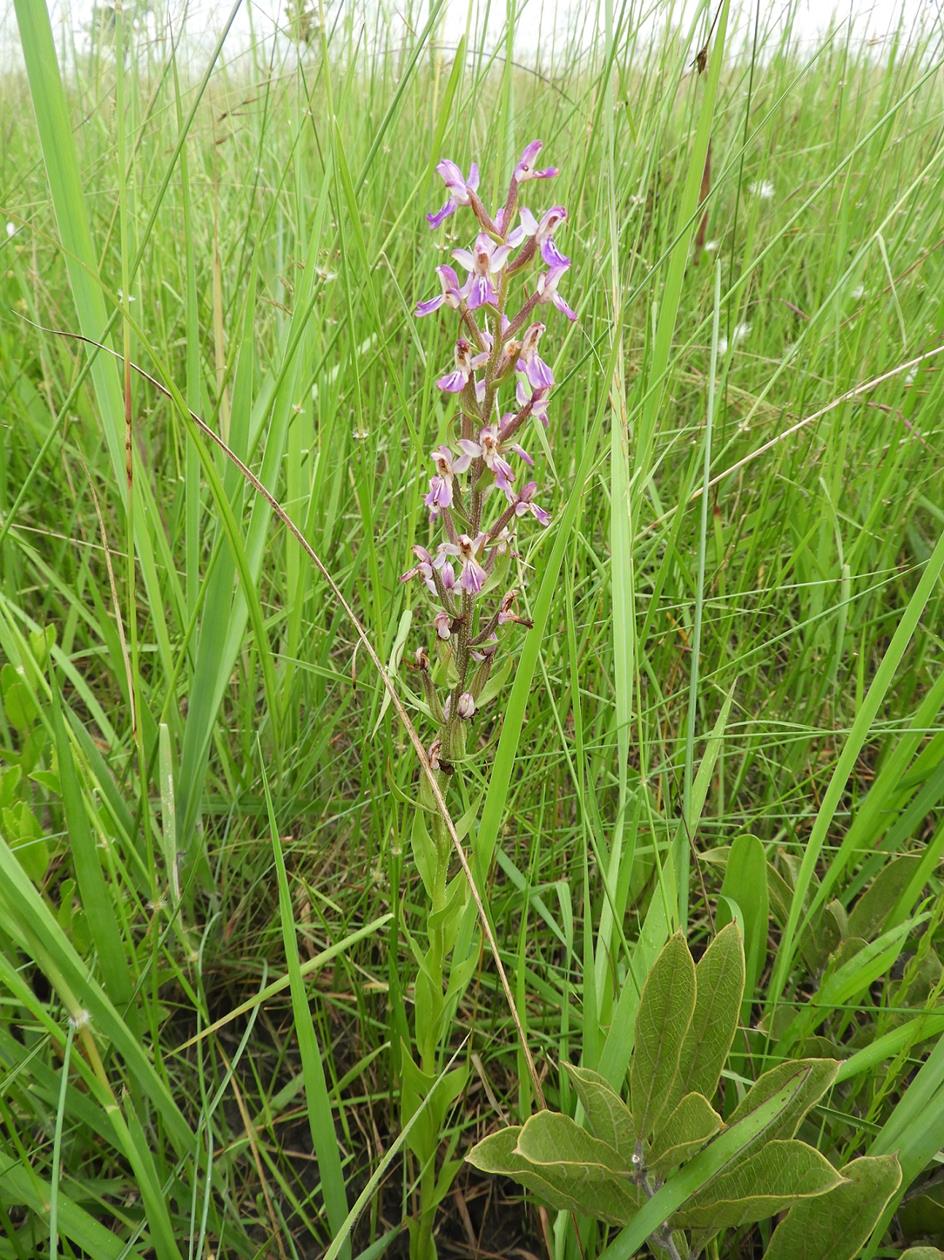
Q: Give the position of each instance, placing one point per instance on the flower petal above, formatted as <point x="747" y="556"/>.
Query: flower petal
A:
<point x="434" y="220"/>
<point x="563" y="307"/>
<point x="552" y="255"/>
<point x="430" y="305"/>
<point x="529" y="224"/>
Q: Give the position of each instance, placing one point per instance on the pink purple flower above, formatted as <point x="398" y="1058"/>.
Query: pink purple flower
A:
<point x="482" y="262"/>
<point x="440" y="486"/>
<point x="455" y="382"/>
<point x="472" y="574"/>
<point x="535" y="400"/>
<point x="458" y="189"/>
<point x="537" y="371"/>
<point x="524" y="504"/>
<point x="547" y="290"/>
<point x="451" y="294"/>
<point x="525" y="169"/>
<point x="543" y="233"/>
<point x="487" y="449"/>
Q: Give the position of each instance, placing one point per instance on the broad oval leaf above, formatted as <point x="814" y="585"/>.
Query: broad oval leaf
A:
<point x="719" y="988"/>
<point x="764" y="1183"/>
<point x="838" y="1223"/>
<point x="922" y="1253"/>
<point x="688" y="1127"/>
<point x="603" y="1196"/>
<point x="608" y="1117"/>
<point x="548" y="1138"/>
<point x="662" y="1022"/>
<point x="700" y="1172"/>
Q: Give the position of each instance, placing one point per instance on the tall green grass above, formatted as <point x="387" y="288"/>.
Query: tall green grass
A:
<point x="206" y="797"/>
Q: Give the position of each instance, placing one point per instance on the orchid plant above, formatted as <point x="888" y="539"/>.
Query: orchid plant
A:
<point x="479" y="491"/>
<point x="478" y="494"/>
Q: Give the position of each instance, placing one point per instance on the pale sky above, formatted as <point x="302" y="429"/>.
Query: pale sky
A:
<point x="871" y="20"/>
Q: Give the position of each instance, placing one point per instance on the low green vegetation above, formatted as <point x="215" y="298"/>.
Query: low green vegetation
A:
<point x="681" y="996"/>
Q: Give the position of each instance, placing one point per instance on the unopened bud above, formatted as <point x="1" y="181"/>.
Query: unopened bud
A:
<point x="443" y="623"/>
<point x="422" y="659"/>
<point x="466" y="705"/>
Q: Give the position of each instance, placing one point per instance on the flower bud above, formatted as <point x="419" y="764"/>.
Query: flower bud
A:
<point x="466" y="705"/>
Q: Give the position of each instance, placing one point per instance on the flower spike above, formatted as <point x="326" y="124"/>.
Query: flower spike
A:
<point x="497" y="355"/>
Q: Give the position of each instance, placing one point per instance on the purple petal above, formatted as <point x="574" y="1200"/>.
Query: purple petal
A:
<point x="529" y="224"/>
<point x="434" y="220"/>
<point x="530" y="153"/>
<point x="562" y="306"/>
<point x="540" y="515"/>
<point x="448" y="172"/>
<point x="481" y="293"/>
<point x="548" y="173"/>
<point x="464" y="258"/>
<point x="430" y="305"/>
<point x="440" y="494"/>
<point x="539" y="374"/>
<point x="499" y="257"/>
<point x="452" y="382"/>
<point x="522" y="454"/>
<point x="473" y="577"/>
<point x="503" y="471"/>
<point x="473" y="181"/>
<point x="552" y="255"/>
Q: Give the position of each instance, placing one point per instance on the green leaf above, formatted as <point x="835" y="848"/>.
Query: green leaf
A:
<point x="548" y="1138"/>
<point x="719" y="988"/>
<point x="720" y="1154"/>
<point x="838" y="1223"/>
<point x="921" y="1214"/>
<point x="600" y="1194"/>
<point x="19" y="706"/>
<point x="819" y="1075"/>
<point x="870" y="913"/>
<point x="760" y="1185"/>
<point x="24" y="836"/>
<point x="662" y="1022"/>
<point x="922" y="1253"/>
<point x="687" y="1128"/>
<point x="609" y="1118"/>
<point x="745" y="884"/>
